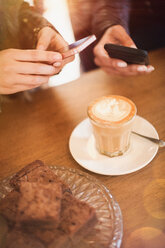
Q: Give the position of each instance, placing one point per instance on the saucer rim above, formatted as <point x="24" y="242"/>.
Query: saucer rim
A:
<point x="111" y="173"/>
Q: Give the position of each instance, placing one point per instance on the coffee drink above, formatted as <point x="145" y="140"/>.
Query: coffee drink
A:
<point x="112" y="119"/>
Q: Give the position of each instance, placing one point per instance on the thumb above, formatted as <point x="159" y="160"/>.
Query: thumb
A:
<point x="127" y="41"/>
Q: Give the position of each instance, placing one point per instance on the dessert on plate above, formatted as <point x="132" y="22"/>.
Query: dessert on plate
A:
<point x="42" y="212"/>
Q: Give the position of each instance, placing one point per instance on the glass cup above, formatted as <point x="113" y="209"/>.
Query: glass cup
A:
<point x="112" y="118"/>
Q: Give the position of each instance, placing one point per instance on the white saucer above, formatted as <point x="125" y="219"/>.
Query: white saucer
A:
<point x="139" y="154"/>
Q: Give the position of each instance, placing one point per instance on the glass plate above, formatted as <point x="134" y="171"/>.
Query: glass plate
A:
<point x="109" y="229"/>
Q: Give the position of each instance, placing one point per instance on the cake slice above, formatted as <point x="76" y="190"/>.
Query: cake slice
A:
<point x="43" y="209"/>
<point x="23" y="174"/>
<point x="36" y="172"/>
<point x="77" y="217"/>
<point x="39" y="205"/>
<point x="77" y="220"/>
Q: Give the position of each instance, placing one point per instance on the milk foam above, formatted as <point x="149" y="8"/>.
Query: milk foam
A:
<point x="111" y="109"/>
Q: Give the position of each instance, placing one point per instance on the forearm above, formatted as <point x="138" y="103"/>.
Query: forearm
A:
<point x="108" y="13"/>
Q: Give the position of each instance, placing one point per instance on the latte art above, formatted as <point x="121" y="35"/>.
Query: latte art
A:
<point x="111" y="109"/>
<point x="112" y="119"/>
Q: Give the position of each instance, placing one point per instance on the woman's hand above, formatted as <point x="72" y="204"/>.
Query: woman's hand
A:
<point x="49" y="39"/>
<point x="26" y="69"/>
<point x="117" y="35"/>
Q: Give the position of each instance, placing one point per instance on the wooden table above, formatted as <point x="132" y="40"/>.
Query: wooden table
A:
<point x="41" y="129"/>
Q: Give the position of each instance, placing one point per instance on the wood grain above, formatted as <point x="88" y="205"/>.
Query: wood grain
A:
<point x="40" y="129"/>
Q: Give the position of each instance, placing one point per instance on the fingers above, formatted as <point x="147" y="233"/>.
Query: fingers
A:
<point x="113" y="64"/>
<point x="37" y="68"/>
<point x="120" y="67"/>
<point x="130" y="70"/>
<point x="100" y="51"/>
<point x="23" y="82"/>
<point x="116" y="66"/>
<point x="44" y="38"/>
<point x="30" y="80"/>
<point x="126" y="39"/>
<point x="141" y="68"/>
<point x="19" y="72"/>
<point x="118" y="35"/>
<point x="58" y="43"/>
<point x="37" y="56"/>
<point x="65" y="61"/>
<point x="49" y="39"/>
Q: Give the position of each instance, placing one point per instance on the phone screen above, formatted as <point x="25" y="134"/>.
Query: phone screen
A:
<point x="77" y="46"/>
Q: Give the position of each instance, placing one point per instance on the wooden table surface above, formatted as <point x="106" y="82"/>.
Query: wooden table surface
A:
<point x="41" y="129"/>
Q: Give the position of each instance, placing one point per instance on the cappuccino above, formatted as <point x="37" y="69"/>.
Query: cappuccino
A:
<point x="112" y="119"/>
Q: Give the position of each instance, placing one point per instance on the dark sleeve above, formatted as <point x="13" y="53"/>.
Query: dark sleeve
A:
<point x="31" y="22"/>
<point x="107" y="13"/>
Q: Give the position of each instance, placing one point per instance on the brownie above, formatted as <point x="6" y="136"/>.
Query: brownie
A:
<point x="22" y="175"/>
<point x="36" y="172"/>
<point x="77" y="217"/>
<point x="43" y="211"/>
<point x="9" y="206"/>
<point x="19" y="239"/>
<point x="40" y="204"/>
<point x="77" y="220"/>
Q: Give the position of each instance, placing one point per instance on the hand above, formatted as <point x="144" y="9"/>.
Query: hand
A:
<point x="26" y="69"/>
<point x="49" y="39"/>
<point x="117" y="35"/>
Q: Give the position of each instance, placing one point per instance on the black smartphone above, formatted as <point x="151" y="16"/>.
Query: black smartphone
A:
<point x="128" y="54"/>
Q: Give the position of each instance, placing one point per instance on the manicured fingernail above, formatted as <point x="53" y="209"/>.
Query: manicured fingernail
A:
<point x="150" y="69"/>
<point x="122" y="64"/>
<point x="133" y="46"/>
<point x="57" y="64"/>
<point x="142" y="68"/>
<point x="57" y="56"/>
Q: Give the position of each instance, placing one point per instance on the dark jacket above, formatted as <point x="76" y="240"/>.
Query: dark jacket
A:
<point x="95" y="16"/>
<point x="147" y="23"/>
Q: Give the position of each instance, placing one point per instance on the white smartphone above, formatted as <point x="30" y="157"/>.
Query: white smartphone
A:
<point x="77" y="46"/>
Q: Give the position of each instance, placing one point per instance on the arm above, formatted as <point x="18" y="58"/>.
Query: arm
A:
<point x="37" y="32"/>
<point x="109" y="13"/>
<point x="110" y="24"/>
<point x="25" y="69"/>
